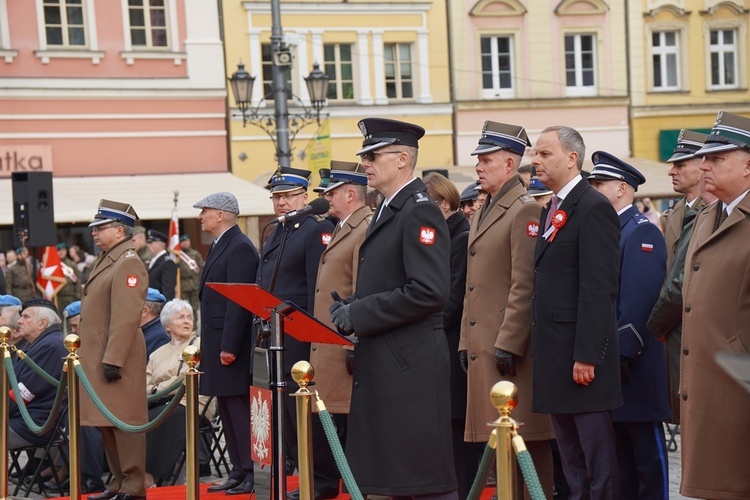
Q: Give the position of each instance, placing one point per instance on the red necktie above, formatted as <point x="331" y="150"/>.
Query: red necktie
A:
<point x="551" y="212"/>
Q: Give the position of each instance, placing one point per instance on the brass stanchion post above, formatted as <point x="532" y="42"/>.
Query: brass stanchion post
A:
<point x="503" y="396"/>
<point x="4" y="336"/>
<point x="303" y="373"/>
<point x="72" y="343"/>
<point x="192" y="356"/>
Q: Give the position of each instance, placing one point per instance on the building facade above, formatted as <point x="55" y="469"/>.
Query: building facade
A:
<point x="689" y="59"/>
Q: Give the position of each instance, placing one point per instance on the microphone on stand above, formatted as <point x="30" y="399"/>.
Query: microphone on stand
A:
<point x="319" y="206"/>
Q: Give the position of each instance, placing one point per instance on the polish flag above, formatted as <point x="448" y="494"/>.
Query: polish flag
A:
<point x="51" y="277"/>
<point x="174" y="235"/>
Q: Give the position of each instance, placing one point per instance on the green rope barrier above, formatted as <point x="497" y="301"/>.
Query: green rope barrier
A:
<point x="37" y="369"/>
<point x="116" y="421"/>
<point x="480" y="480"/>
<point x="53" y="414"/>
<point x="338" y="452"/>
<point x="529" y="475"/>
<point x="167" y="390"/>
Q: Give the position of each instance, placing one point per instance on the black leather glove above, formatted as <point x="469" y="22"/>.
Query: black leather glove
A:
<point x="505" y="363"/>
<point x="349" y="360"/>
<point x="111" y="373"/>
<point x="463" y="360"/>
<point x="340" y="314"/>
<point x="624" y="369"/>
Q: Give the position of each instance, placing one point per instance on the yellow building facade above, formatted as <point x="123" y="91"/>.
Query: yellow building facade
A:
<point x="385" y="59"/>
<point x="689" y="60"/>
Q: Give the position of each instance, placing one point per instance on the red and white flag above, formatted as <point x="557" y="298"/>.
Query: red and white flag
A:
<point x="51" y="277"/>
<point x="174" y="235"/>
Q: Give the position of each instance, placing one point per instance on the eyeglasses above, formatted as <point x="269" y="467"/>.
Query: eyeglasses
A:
<point x="286" y="196"/>
<point x="371" y="155"/>
<point x="99" y="229"/>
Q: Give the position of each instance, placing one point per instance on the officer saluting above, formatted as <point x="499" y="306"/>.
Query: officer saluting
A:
<point x="400" y="409"/>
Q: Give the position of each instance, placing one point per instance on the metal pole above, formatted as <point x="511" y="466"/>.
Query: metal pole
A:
<point x="303" y="373"/>
<point x="279" y="388"/>
<point x="192" y="356"/>
<point x="72" y="343"/>
<point x="281" y="111"/>
<point x="503" y="396"/>
<point x="4" y="336"/>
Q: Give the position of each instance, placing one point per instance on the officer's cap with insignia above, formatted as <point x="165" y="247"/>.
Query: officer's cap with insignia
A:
<point x="288" y="179"/>
<point x="730" y="132"/>
<point x="325" y="180"/>
<point x="536" y="188"/>
<point x="114" y="211"/>
<point x="382" y="132"/>
<point x="72" y="310"/>
<point x="346" y="172"/>
<point x="610" y="168"/>
<point x="688" y="143"/>
<point x="469" y="193"/>
<point x="154" y="235"/>
<point x="497" y="136"/>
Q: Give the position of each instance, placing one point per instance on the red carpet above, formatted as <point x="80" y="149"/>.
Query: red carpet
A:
<point x="178" y="492"/>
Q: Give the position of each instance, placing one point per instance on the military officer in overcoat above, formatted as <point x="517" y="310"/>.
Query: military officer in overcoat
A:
<point x="227" y="339"/>
<point x="306" y="239"/>
<point x="399" y="441"/>
<point x="113" y="351"/>
<point x="716" y="318"/>
<point x="162" y="271"/>
<point x="496" y="327"/>
<point x="574" y="317"/>
<point x="641" y="446"/>
<point x="336" y="272"/>
<point x="685" y="172"/>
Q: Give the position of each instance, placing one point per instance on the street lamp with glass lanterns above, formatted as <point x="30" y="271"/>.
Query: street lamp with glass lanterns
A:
<point x="282" y="126"/>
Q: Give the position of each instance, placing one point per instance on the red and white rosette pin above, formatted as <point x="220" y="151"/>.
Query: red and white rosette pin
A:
<point x="558" y="220"/>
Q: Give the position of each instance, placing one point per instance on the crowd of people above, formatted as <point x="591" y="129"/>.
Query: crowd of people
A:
<point x="606" y="318"/>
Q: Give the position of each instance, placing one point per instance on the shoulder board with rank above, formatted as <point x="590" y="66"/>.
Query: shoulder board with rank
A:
<point x="420" y="197"/>
<point x="640" y="219"/>
<point x="321" y="218"/>
<point x="525" y="198"/>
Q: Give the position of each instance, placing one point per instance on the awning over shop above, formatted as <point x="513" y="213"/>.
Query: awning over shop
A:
<point x="76" y="198"/>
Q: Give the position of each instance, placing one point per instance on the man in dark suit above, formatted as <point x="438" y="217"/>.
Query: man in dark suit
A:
<point x="226" y="334"/>
<point x="641" y="447"/>
<point x="306" y="239"/>
<point x="574" y="320"/>
<point x="162" y="271"/>
<point x="400" y="412"/>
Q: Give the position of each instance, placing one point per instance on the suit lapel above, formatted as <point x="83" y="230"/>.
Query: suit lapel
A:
<point x="217" y="250"/>
<point x="568" y="206"/>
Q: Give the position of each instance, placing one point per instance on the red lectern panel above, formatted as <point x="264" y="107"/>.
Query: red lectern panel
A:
<point x="297" y="322"/>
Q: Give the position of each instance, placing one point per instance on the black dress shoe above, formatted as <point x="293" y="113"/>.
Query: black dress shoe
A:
<point x="91" y="485"/>
<point x="52" y="487"/>
<point x="226" y="485"/>
<point x="104" y="495"/>
<point x="244" y="488"/>
<point x="127" y="496"/>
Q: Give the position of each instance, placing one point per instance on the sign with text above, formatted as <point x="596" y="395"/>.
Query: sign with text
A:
<point x="24" y="158"/>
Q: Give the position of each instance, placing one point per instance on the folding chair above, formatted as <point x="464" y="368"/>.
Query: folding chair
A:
<point x="211" y="433"/>
<point x="58" y="442"/>
<point x="672" y="431"/>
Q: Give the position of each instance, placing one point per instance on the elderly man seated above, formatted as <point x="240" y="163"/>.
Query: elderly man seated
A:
<point x="153" y="331"/>
<point x="40" y="326"/>
<point x="10" y="308"/>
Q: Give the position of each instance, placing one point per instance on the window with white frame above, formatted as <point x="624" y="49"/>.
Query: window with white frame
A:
<point x="580" y="64"/>
<point x="723" y="52"/>
<point x="148" y="24"/>
<point x="399" y="74"/>
<point x="497" y="66"/>
<point x="266" y="50"/>
<point x="64" y="23"/>
<point x="338" y="66"/>
<point x="665" y="57"/>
